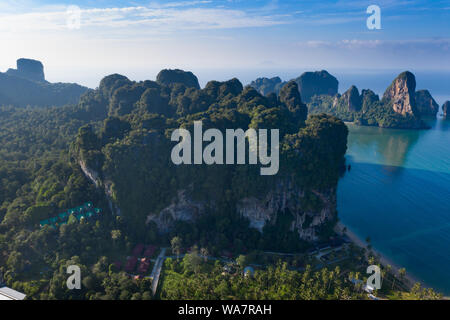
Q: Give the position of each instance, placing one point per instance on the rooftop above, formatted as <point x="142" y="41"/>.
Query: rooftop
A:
<point x="10" y="294"/>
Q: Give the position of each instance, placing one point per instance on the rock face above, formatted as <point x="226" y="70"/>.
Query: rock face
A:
<point x="285" y="198"/>
<point x="352" y="99"/>
<point x="290" y="95"/>
<point x="426" y="105"/>
<point x="266" y="85"/>
<point x="168" y="77"/>
<point x="28" y="69"/>
<point x="316" y="83"/>
<point x="401" y="94"/>
<point x="183" y="208"/>
<point x="446" y="109"/>
<point x="368" y="98"/>
<point x="259" y="211"/>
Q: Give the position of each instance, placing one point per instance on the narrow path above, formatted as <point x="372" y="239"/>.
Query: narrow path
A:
<point x="156" y="272"/>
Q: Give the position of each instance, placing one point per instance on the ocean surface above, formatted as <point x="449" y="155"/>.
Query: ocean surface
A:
<point x="398" y="194"/>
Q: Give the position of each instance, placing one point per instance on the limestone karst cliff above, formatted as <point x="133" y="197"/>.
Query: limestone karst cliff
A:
<point x="316" y="83"/>
<point x="352" y="99"/>
<point x="28" y="69"/>
<point x="400" y="95"/>
<point x="129" y="157"/>
<point x="268" y="85"/>
<point x="26" y="86"/>
<point x="188" y="79"/>
<point x="446" y="109"/>
<point x="426" y="105"/>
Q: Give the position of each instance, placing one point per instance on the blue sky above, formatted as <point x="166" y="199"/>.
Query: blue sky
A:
<point x="138" y="38"/>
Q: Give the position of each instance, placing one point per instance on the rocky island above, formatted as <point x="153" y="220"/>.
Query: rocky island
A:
<point x="401" y="106"/>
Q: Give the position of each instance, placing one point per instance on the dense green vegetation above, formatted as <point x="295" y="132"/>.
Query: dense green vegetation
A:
<point x="194" y="277"/>
<point x="133" y="148"/>
<point x="372" y="113"/>
<point x="320" y="91"/>
<point x="122" y="131"/>
<point x="38" y="181"/>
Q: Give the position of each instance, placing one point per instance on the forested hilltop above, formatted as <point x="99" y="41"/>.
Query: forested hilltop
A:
<point x="401" y="106"/>
<point x="129" y="158"/>
<point x="112" y="150"/>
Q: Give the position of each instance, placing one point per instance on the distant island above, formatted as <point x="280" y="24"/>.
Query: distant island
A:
<point x="26" y="86"/>
<point x="401" y="106"/>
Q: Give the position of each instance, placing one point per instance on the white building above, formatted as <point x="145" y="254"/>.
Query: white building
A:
<point x="10" y="294"/>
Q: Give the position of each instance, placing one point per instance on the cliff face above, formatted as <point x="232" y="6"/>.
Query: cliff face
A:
<point x="265" y="85"/>
<point x="352" y="99"/>
<point x="446" y="109"/>
<point x="28" y="69"/>
<point x="107" y="185"/>
<point x="401" y="94"/>
<point x="316" y="83"/>
<point x="426" y="105"/>
<point x="187" y="78"/>
<point x="368" y="98"/>
<point x="260" y="211"/>
<point x="290" y="96"/>
<point x="286" y="198"/>
<point x="182" y="208"/>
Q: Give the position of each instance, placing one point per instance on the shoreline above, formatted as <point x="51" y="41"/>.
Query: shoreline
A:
<point x="383" y="259"/>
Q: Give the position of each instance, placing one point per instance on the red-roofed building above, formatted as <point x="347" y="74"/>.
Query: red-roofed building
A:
<point x="138" y="250"/>
<point x="118" y="265"/>
<point x="144" y="265"/>
<point x="131" y="264"/>
<point x="227" y="254"/>
<point x="149" y="251"/>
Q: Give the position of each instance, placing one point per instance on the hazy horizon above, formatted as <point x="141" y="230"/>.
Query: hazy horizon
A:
<point x="139" y="38"/>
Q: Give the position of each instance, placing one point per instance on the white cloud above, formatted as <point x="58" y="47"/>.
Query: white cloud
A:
<point x="432" y="44"/>
<point x="170" y="17"/>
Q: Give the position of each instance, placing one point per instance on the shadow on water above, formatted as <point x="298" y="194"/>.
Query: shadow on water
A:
<point x="406" y="215"/>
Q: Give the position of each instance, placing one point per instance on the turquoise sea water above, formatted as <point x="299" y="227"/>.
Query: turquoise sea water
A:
<point x="398" y="194"/>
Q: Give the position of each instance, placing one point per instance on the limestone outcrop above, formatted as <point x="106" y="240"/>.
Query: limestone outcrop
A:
<point x="400" y="95"/>
<point x="426" y="105"/>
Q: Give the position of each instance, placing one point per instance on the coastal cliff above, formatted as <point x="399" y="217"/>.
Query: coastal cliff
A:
<point x="400" y="95"/>
<point x="129" y="158"/>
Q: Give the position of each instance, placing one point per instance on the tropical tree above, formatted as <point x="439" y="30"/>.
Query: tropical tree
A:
<point x="176" y="244"/>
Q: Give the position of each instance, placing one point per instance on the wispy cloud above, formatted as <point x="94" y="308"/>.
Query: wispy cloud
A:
<point x="175" y="16"/>
<point x="441" y="43"/>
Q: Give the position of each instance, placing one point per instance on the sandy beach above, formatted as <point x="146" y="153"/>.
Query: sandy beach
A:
<point x="383" y="259"/>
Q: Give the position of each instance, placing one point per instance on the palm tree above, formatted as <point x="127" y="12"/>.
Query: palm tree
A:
<point x="176" y="246"/>
<point x="204" y="252"/>
<point x="402" y="273"/>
